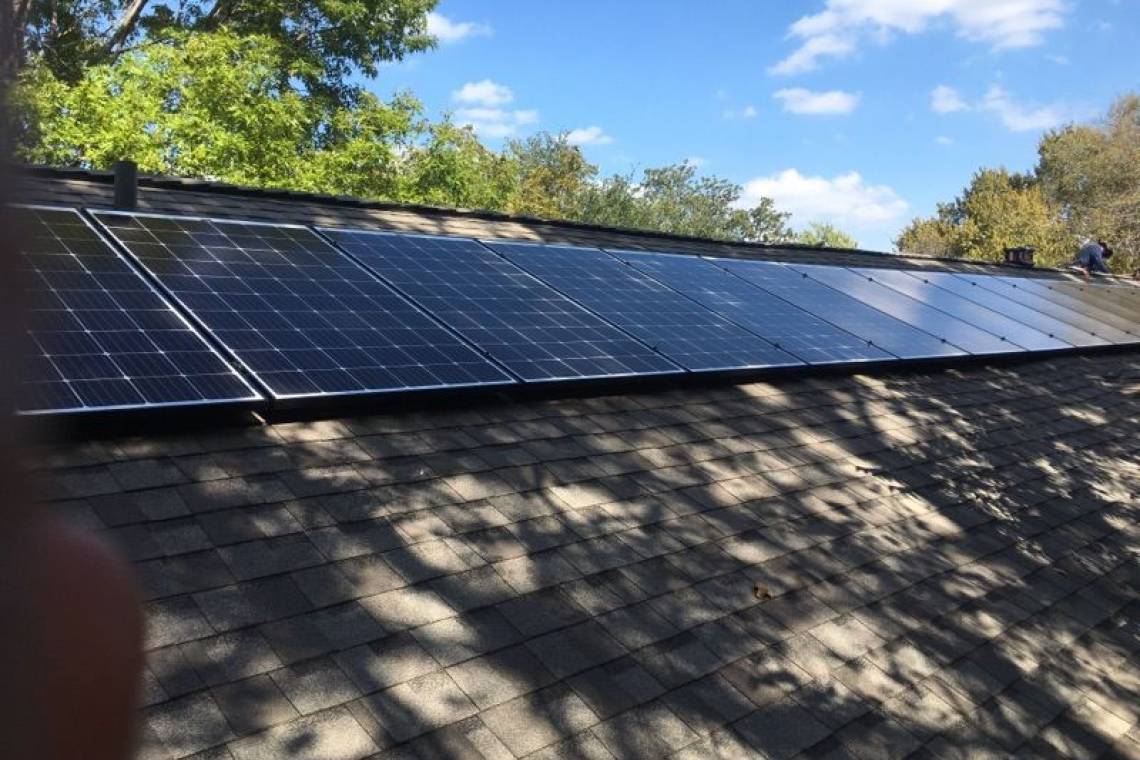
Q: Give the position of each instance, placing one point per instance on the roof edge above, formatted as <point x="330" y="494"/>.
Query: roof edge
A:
<point x="223" y="188"/>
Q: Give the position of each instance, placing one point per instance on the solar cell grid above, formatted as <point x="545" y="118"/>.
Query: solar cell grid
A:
<point x="967" y="311"/>
<point x="1036" y="319"/>
<point x="785" y="325"/>
<point x="686" y="332"/>
<point x="530" y="328"/>
<point x="1095" y="305"/>
<point x="299" y="314"/>
<point x="102" y="337"/>
<point x="883" y="330"/>
<point x="940" y="324"/>
<point x="1027" y="297"/>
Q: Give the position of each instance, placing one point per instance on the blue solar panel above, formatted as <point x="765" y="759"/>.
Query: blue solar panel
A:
<point x="102" y="338"/>
<point x="536" y="332"/>
<point x="1026" y="297"/>
<point x="883" y="330"/>
<point x="967" y="311"/>
<point x="785" y="325"/>
<point x="683" y="330"/>
<point x="1038" y="320"/>
<point x="863" y="286"/>
<point x="1084" y="303"/>
<point x="300" y="315"/>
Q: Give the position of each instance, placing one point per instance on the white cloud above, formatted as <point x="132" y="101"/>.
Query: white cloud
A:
<point x="446" y="30"/>
<point x="1019" y="117"/>
<point x="943" y="140"/>
<point x="592" y="135"/>
<point x="844" y="200"/>
<point x="801" y="101"/>
<point x="945" y="99"/>
<point x="837" y="30"/>
<point x="748" y="112"/>
<point x="483" y="93"/>
<point x="495" y="122"/>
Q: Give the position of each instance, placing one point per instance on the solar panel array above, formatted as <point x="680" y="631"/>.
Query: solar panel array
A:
<point x="189" y="311"/>
<point x="686" y="332"/>
<point x="524" y="324"/>
<point x="941" y="325"/>
<point x="101" y="337"/>
<point x="302" y="317"/>
<point x="888" y="333"/>
<point x="787" y="326"/>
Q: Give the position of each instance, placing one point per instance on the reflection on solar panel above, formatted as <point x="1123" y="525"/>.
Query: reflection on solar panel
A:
<point x="883" y="330"/>
<point x="789" y="327"/>
<point x="1082" y="302"/>
<point x="536" y="332"/>
<point x="965" y="336"/>
<point x="297" y="312"/>
<point x="967" y="311"/>
<point x="1115" y="299"/>
<point x="1033" y="318"/>
<point x="1026" y="297"/>
<point x="685" y="331"/>
<point x="103" y="338"/>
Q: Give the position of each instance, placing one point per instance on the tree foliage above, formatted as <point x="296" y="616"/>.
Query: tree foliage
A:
<point x="825" y="235"/>
<point x="319" y="43"/>
<point x="1086" y="185"/>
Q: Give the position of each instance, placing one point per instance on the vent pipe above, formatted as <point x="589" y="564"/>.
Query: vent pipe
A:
<point x="126" y="185"/>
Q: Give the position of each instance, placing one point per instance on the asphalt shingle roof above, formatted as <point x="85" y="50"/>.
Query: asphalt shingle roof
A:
<point x="923" y="563"/>
<point x="940" y="563"/>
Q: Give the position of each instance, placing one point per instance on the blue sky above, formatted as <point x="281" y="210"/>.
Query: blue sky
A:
<point x="864" y="113"/>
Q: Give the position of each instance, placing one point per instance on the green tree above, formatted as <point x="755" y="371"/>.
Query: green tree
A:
<point x="552" y="176"/>
<point x="212" y="105"/>
<point x="320" y="42"/>
<point x="826" y="235"/>
<point x="998" y="210"/>
<point x="1091" y="172"/>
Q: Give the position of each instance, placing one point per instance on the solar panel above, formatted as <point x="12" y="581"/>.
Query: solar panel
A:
<point x="1031" y="317"/>
<point x="1026" y="297"/>
<point x="967" y="311"/>
<point x="863" y="286"/>
<point x="102" y="337"/>
<point x="1092" y="299"/>
<point x="300" y="315"/>
<point x="883" y="330"/>
<point x="1095" y="302"/>
<point x="536" y="332"/>
<point x="785" y="325"/>
<point x="683" y="330"/>
<point x="1118" y="298"/>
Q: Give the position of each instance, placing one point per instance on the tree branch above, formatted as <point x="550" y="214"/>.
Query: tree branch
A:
<point x="220" y="13"/>
<point x="125" y="26"/>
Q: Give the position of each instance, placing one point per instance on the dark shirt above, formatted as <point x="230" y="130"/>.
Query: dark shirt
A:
<point x="1091" y="257"/>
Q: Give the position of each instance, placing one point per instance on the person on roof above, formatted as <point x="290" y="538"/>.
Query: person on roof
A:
<point x="1092" y="257"/>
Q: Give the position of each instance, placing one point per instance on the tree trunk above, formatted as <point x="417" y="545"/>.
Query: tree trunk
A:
<point x="125" y="26"/>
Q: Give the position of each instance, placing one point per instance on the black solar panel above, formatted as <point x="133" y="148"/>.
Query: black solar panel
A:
<point x="1087" y="304"/>
<point x="883" y="330"/>
<point x="102" y="337"/>
<point x="1033" y="318"/>
<point x="299" y="314"/>
<point x="536" y="332"/>
<point x="785" y="325"/>
<point x="1026" y="297"/>
<point x="940" y="324"/>
<point x="967" y="311"/>
<point x="685" y="331"/>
